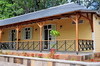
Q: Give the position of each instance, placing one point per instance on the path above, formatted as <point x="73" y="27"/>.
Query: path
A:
<point x="2" y="63"/>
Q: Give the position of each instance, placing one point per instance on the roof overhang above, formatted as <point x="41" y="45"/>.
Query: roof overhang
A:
<point x="46" y="14"/>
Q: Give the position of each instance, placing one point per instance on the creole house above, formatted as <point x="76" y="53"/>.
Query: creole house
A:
<point x="79" y="30"/>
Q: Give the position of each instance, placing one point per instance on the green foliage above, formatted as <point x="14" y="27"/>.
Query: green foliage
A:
<point x="54" y="33"/>
<point x="8" y="10"/>
<point x="90" y="4"/>
<point x="53" y="45"/>
<point x="11" y="8"/>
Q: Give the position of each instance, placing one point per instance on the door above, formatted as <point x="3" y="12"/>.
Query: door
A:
<point x="47" y="36"/>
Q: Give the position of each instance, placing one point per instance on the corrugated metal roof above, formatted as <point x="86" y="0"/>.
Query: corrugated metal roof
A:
<point x="70" y="7"/>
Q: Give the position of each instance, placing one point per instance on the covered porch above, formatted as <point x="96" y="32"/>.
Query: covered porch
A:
<point x="76" y="45"/>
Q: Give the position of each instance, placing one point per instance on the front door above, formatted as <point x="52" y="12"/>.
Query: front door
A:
<point x="47" y="36"/>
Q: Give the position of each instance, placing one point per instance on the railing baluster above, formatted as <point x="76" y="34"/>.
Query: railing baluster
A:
<point x="0" y="45"/>
<point x="18" y="46"/>
<point x="79" y="46"/>
<point x="57" y="45"/>
<point x="33" y="45"/>
<point x="8" y="45"/>
<point x="23" y="46"/>
<point x="65" y="45"/>
<point x="92" y="46"/>
<point x="86" y="45"/>
<point x="27" y="45"/>
<point x="39" y="44"/>
<point x="49" y="45"/>
<point x="83" y="45"/>
<point x="74" y="45"/>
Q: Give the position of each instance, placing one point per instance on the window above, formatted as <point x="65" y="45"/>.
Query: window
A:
<point x="27" y="33"/>
<point x="12" y="35"/>
<point x="80" y="22"/>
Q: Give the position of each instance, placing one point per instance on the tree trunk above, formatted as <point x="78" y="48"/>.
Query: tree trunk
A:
<point x="26" y="8"/>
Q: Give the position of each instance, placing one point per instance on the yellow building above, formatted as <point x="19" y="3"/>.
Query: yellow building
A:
<point x="78" y="27"/>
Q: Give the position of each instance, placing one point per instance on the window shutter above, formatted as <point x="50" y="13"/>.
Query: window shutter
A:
<point x="53" y="37"/>
<point x="53" y="28"/>
<point x="23" y="33"/>
<point x="15" y="37"/>
<point x="9" y="35"/>
<point x="31" y="33"/>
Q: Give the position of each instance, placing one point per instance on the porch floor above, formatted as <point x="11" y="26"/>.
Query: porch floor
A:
<point x="60" y="52"/>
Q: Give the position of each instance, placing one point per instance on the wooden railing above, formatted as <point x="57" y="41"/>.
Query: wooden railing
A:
<point x="59" y="45"/>
<point x="85" y="45"/>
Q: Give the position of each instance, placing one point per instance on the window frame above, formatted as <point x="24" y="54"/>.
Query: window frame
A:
<point x="25" y="33"/>
<point x="73" y="23"/>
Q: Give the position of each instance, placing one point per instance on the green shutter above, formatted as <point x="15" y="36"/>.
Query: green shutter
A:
<point x="9" y="35"/>
<point x="31" y="33"/>
<point x="15" y="37"/>
<point x="53" y="37"/>
<point x="23" y="33"/>
<point x="53" y="28"/>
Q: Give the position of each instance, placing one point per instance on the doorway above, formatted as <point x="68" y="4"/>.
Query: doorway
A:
<point x="46" y="35"/>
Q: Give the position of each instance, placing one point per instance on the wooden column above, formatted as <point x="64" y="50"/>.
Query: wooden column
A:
<point x="17" y="36"/>
<point x="77" y="33"/>
<point x="76" y="20"/>
<point x="1" y="35"/>
<point x="41" y="24"/>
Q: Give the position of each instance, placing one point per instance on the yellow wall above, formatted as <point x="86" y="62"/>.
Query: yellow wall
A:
<point x="67" y="31"/>
<point x="96" y="33"/>
<point x="5" y="36"/>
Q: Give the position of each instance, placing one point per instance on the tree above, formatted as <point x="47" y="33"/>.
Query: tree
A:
<point x="8" y="10"/>
<point x="11" y="8"/>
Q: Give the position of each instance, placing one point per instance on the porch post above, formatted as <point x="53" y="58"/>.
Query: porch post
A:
<point x="76" y="20"/>
<point x="17" y="36"/>
<point x="0" y="37"/>
<point x="41" y="24"/>
<point x="41" y="38"/>
<point x="77" y="34"/>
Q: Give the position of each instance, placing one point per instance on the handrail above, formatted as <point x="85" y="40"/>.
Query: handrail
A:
<point x="38" y="40"/>
<point x="46" y="40"/>
<point x="86" y="39"/>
